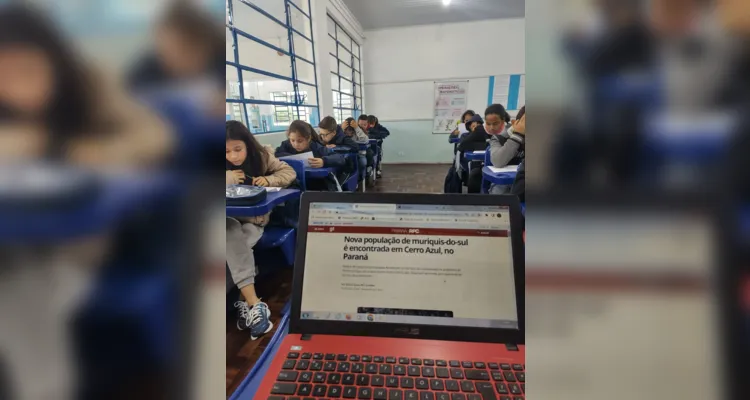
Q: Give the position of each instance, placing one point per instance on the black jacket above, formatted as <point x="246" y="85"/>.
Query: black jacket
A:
<point x="378" y="132"/>
<point x="330" y="159"/>
<point x="341" y="140"/>
<point x="474" y="141"/>
<point x="519" y="185"/>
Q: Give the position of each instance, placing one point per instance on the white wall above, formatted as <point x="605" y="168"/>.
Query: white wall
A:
<point x="401" y="65"/>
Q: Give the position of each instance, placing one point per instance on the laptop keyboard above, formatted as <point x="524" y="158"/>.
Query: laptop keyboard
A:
<point x="319" y="376"/>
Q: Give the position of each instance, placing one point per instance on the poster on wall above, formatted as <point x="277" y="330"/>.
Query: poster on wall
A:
<point x="450" y="103"/>
<point x="508" y="90"/>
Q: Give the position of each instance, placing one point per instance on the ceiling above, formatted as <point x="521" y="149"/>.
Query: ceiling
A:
<point x="379" y="14"/>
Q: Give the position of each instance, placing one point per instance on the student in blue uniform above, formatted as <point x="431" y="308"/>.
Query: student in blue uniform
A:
<point x="378" y="132"/>
<point x="354" y="131"/>
<point x="333" y="136"/>
<point x="302" y="139"/>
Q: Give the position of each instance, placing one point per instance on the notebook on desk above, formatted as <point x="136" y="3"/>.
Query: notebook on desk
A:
<point x="507" y="168"/>
<point x="370" y="317"/>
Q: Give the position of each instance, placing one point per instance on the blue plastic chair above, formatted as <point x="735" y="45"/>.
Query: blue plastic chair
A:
<point x="283" y="238"/>
<point x="299" y="168"/>
<point x="485" y="188"/>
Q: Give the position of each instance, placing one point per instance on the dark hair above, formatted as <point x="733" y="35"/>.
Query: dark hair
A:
<point x="349" y="131"/>
<point x="349" y="120"/>
<point x="362" y="117"/>
<point x="196" y="25"/>
<point x="255" y="163"/>
<point x="305" y="130"/>
<point x="467" y="112"/>
<point x="498" y="110"/>
<point x="71" y="109"/>
<point x="521" y="112"/>
<point x="372" y="120"/>
<point x="328" y="123"/>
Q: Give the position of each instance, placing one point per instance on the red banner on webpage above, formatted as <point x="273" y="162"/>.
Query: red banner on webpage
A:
<point x="409" y="231"/>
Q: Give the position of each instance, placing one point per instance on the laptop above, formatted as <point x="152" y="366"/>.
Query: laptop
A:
<point x="404" y="297"/>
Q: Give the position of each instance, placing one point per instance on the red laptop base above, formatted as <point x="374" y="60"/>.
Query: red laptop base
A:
<point x="481" y="356"/>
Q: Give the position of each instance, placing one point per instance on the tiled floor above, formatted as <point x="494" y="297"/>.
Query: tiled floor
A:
<point x="242" y="353"/>
<point x="412" y="178"/>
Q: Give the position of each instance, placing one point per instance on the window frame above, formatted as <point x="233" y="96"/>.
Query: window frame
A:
<point x="292" y="33"/>
<point x="354" y="63"/>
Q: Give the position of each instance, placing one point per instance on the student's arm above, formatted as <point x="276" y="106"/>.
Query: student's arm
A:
<point x="377" y="133"/>
<point x="470" y="141"/>
<point x="503" y="148"/>
<point x="361" y="135"/>
<point x="279" y="173"/>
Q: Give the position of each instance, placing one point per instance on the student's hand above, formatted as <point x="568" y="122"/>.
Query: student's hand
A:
<point x="330" y="146"/>
<point x="261" y="181"/>
<point x="345" y="125"/>
<point x="316" y="162"/>
<point x="239" y="175"/>
<point x="519" y="126"/>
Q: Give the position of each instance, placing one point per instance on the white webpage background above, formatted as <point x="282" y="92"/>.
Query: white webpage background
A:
<point x="484" y="291"/>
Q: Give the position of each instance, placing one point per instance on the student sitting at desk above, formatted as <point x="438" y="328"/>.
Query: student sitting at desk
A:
<point x="250" y="163"/>
<point x="362" y="122"/>
<point x="303" y="139"/>
<point x="508" y="146"/>
<point x="476" y="140"/>
<point x="333" y="136"/>
<point x="379" y="133"/>
<point x="458" y="132"/>
<point x="354" y="131"/>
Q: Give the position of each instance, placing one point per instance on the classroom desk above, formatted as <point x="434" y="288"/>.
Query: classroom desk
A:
<point x="249" y="385"/>
<point x="119" y="196"/>
<point x="498" y="178"/>
<point x="475" y="155"/>
<point x="318" y="173"/>
<point x="454" y="140"/>
<point x="272" y="200"/>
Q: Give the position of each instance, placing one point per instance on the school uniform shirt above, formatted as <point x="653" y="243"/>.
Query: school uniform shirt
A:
<point x="378" y="132"/>
<point x="276" y="172"/>
<point x="330" y="159"/>
<point x="507" y="148"/>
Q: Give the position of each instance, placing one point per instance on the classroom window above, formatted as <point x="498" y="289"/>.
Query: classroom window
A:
<point x="287" y="114"/>
<point x="346" y="79"/>
<point x="271" y="67"/>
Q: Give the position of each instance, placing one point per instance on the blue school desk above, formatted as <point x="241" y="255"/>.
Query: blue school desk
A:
<point x="120" y="196"/>
<point x="249" y="385"/>
<point x="272" y="200"/>
<point x="318" y="173"/>
<point x="498" y="178"/>
<point x="475" y="155"/>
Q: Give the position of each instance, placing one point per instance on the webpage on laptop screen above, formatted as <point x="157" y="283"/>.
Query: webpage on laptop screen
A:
<point x="411" y="264"/>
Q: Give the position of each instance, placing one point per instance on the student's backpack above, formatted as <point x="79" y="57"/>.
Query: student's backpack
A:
<point x="452" y="182"/>
<point x="242" y="195"/>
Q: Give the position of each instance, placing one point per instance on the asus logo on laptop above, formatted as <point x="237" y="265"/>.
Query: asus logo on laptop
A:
<point x="407" y="331"/>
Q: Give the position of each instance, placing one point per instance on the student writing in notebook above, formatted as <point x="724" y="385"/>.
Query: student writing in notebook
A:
<point x="248" y="162"/>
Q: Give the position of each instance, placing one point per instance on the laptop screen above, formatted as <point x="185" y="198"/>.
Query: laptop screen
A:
<point x="409" y="264"/>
